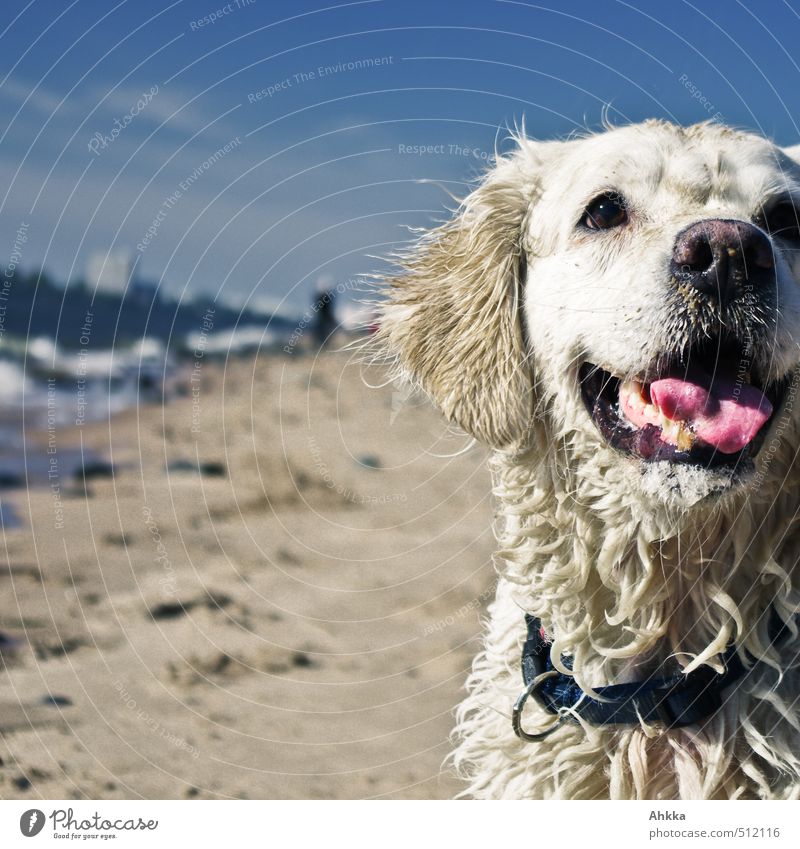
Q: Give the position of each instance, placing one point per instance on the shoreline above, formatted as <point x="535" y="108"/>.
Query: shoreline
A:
<point x="279" y="626"/>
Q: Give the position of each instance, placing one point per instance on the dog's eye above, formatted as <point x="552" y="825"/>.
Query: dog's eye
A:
<point x="606" y="211"/>
<point x="783" y="221"/>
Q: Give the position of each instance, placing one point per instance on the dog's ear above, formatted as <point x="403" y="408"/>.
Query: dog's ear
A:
<point x="451" y="319"/>
<point x="792" y="152"/>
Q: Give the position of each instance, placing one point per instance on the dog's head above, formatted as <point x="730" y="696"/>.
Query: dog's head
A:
<point x="631" y="297"/>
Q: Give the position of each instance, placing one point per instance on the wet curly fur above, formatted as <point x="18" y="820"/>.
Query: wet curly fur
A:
<point x="631" y="565"/>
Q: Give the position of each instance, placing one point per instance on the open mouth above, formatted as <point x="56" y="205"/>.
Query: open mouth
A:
<point x="703" y="408"/>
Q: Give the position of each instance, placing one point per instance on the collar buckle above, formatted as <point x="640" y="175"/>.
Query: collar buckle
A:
<point x="516" y="713"/>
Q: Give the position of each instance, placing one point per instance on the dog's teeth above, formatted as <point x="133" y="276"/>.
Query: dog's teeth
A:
<point x="669" y="427"/>
<point x="677" y="432"/>
<point x="685" y="438"/>
<point x="632" y="392"/>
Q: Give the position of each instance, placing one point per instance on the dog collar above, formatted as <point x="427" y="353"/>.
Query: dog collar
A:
<point x="675" y="700"/>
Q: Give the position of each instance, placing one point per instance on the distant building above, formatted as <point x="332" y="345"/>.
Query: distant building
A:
<point x="109" y="272"/>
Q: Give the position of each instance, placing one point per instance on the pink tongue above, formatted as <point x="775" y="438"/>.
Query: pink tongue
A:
<point x="727" y="415"/>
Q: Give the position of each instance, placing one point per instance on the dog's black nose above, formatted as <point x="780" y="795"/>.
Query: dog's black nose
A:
<point x="720" y="258"/>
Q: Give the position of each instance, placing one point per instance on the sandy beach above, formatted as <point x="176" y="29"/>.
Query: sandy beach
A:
<point x="268" y="588"/>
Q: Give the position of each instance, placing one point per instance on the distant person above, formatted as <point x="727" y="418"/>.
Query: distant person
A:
<point x="324" y="324"/>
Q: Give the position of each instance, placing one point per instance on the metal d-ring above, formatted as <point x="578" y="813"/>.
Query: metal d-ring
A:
<point x="516" y="713"/>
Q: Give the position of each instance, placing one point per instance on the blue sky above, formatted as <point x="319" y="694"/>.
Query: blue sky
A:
<point x="320" y="177"/>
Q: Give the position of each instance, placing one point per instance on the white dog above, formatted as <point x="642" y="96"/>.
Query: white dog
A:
<point x="618" y="317"/>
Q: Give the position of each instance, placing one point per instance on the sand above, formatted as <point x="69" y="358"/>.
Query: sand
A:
<point x="295" y="621"/>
